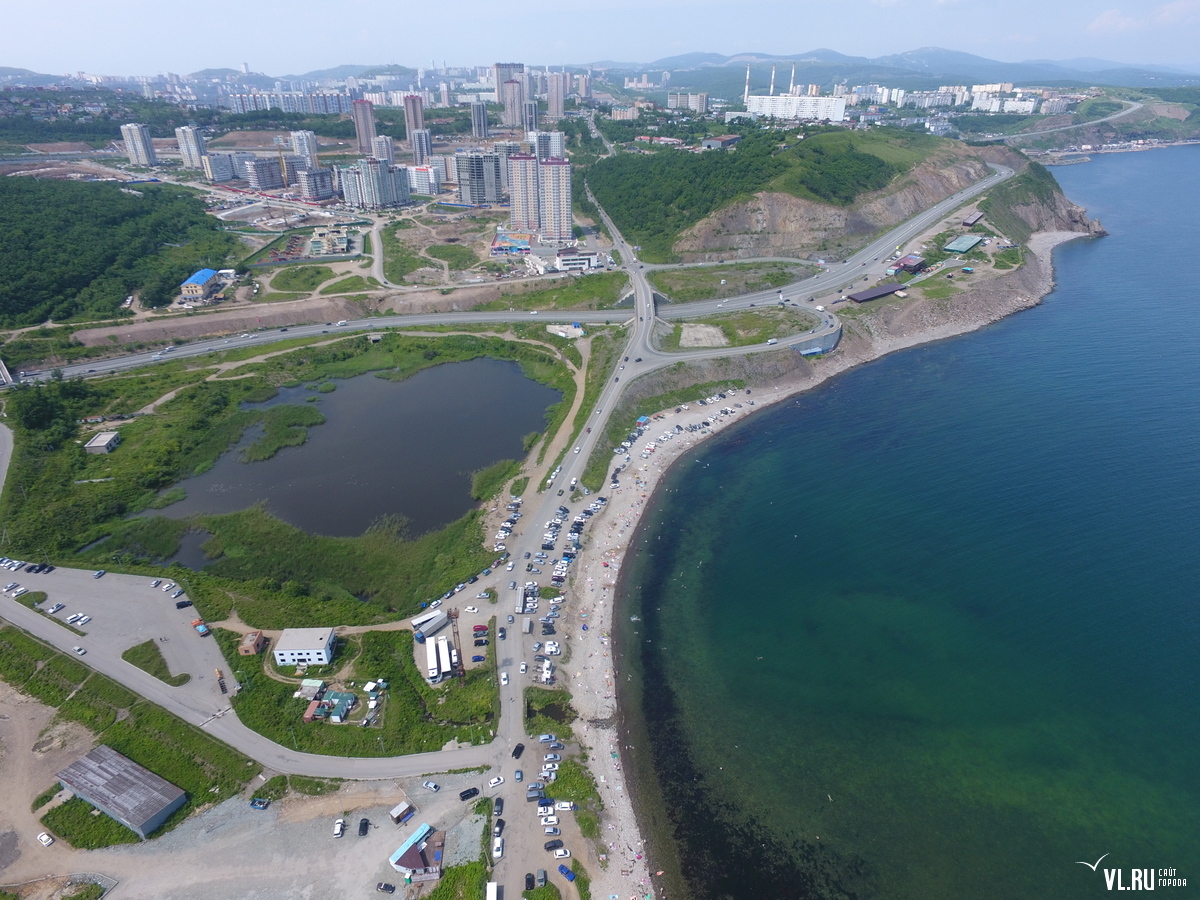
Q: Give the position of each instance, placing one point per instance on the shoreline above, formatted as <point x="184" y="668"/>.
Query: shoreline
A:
<point x="591" y="668"/>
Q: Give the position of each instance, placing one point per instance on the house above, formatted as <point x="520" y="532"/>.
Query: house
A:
<point x="200" y="285"/>
<point x="104" y="442"/>
<point x="304" y="646"/>
<point x="420" y="857"/>
<point x="123" y="790"/>
<point x="252" y="644"/>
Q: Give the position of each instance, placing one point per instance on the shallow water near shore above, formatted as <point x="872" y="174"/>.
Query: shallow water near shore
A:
<point x="931" y="629"/>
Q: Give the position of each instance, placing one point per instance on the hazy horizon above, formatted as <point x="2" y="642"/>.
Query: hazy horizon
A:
<point x="134" y="37"/>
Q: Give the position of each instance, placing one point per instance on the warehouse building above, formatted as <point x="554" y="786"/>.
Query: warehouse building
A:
<point x="874" y="293"/>
<point x="104" y="442"/>
<point x="120" y="788"/>
<point x="963" y="244"/>
<point x="304" y="646"/>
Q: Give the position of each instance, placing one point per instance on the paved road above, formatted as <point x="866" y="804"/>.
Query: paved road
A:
<point x="1133" y="107"/>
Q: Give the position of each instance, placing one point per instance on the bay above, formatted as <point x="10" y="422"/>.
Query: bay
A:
<point x="931" y="629"/>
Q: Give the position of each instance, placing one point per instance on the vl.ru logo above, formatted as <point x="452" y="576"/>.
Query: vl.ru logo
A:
<point x="1137" y="879"/>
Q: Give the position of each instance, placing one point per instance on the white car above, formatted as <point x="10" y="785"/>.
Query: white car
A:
<point x="169" y="587"/>
<point x="549" y="767"/>
<point x="482" y="596"/>
<point x="83" y="620"/>
<point x="339" y="828"/>
<point x="524" y="668"/>
<point x="562" y="853"/>
<point x="472" y="609"/>
<point x="565" y="805"/>
<point x="551" y="757"/>
<point x="497" y="781"/>
<point x="45" y="840"/>
<point x="549" y="820"/>
<point x="79" y="650"/>
<point x="497" y="848"/>
<point x="504" y="678"/>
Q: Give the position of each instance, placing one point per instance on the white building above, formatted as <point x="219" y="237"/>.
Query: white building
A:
<point x="138" y="145"/>
<point x="304" y="144"/>
<point x="554" y="207"/>
<point x="383" y="149"/>
<point x="191" y="146"/>
<point x="424" y="180"/>
<point x="523" y="193"/>
<point x="786" y="106"/>
<point x="300" y="646"/>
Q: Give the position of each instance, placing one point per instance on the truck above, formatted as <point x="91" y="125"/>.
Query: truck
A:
<point x="430" y="626"/>
<point x="433" y="671"/>
<point x="527" y="625"/>
<point x="201" y="628"/>
<point x="443" y="651"/>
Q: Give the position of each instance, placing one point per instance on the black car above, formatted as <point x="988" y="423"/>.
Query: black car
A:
<point x="384" y="888"/>
<point x="518" y="750"/>
<point x="552" y="845"/>
<point x="464" y="795"/>
<point x="529" y="881"/>
<point x="498" y="828"/>
<point x="364" y="825"/>
<point x="482" y="642"/>
<point x="498" y="807"/>
<point x="182" y="604"/>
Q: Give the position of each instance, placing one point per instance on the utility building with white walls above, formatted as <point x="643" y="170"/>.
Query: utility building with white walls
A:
<point x="304" y="646"/>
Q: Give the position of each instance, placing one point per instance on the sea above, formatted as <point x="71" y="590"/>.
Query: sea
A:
<point x="932" y="629"/>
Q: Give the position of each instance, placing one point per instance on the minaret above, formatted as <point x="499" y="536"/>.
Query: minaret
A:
<point x="746" y="93"/>
<point x="772" y="81"/>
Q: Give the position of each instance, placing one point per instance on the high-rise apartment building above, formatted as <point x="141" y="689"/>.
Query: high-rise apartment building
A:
<point x="316" y="184"/>
<point x="529" y="115"/>
<point x="554" y="193"/>
<point x="478" y="178"/>
<point x="222" y="167"/>
<point x="424" y="180"/>
<point x="191" y="146"/>
<point x="506" y="149"/>
<point x="557" y="89"/>
<point x="414" y="114"/>
<point x="479" y="120"/>
<point x="547" y="144"/>
<point x="421" y="142"/>
<point x="363" y="113"/>
<point x="502" y="74"/>
<point x="584" y="88"/>
<point x="523" y="194"/>
<point x="383" y="149"/>
<point x="304" y="145"/>
<point x="373" y="184"/>
<point x="264" y="174"/>
<point x="443" y="95"/>
<point x="138" y="145"/>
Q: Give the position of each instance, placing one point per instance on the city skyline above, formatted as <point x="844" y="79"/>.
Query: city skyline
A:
<point x="87" y="38"/>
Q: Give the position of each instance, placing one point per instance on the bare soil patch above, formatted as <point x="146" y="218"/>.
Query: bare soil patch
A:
<point x="702" y="336"/>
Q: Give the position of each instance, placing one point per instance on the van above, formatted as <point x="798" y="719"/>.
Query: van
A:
<point x="343" y="322"/>
<point x="772" y="341"/>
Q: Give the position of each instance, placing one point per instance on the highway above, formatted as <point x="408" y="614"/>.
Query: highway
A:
<point x="868" y="262"/>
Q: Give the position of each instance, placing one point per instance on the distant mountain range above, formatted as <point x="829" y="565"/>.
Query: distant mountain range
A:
<point x="947" y="66"/>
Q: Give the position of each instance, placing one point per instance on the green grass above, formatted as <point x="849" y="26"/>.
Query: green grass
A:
<point x="546" y="892"/>
<point x="548" y="711"/>
<point x="467" y="882"/>
<point x="74" y="823"/>
<point x="314" y="787"/>
<point x="575" y="782"/>
<point x="456" y="256"/>
<point x="1036" y="185"/>
<point x="273" y="788"/>
<point x="351" y="285"/>
<point x="583" y="883"/>
<point x="86" y="892"/>
<point x="414" y="717"/>
<point x="937" y="288"/>
<point x="1007" y="259"/>
<point x="602" y="366"/>
<point x="301" y="278"/>
<point x="746" y="327"/>
<point x="45" y="797"/>
<point x="519" y="485"/>
<point x="398" y="259"/>
<point x="600" y="291"/>
<point x="487" y="482"/>
<point x="148" y="657"/>
<point x="684" y="285"/>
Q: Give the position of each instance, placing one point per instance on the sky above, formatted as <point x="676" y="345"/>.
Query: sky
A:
<point x="137" y="37"/>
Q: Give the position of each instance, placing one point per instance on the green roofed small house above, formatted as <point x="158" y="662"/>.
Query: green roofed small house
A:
<point x="963" y="244"/>
<point x="201" y="285"/>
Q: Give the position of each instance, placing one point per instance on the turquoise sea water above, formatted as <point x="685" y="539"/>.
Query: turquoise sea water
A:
<point x="932" y="629"/>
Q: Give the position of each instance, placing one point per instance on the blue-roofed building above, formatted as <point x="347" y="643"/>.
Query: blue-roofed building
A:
<point x="420" y="857"/>
<point x="200" y="285"/>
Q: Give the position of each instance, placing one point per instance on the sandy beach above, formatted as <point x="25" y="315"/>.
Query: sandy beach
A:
<point x="592" y="673"/>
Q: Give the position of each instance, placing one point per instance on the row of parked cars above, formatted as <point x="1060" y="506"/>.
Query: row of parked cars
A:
<point x="16" y="565"/>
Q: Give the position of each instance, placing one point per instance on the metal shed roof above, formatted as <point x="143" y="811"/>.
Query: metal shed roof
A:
<point x="125" y="789"/>
<point x="201" y="277"/>
<point x="962" y="244"/>
<point x="874" y="293"/>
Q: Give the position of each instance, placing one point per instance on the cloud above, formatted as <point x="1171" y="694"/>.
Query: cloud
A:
<point x="1113" y="21"/>
<point x="1180" y="12"/>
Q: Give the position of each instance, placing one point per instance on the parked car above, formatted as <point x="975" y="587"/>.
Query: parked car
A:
<point x="497" y="828"/>
<point x="497" y="781"/>
<point x="565" y="872"/>
<point x="529" y="881"/>
<point x="541" y="878"/>
<point x="79" y="650"/>
<point x="45" y="840"/>
<point x="517" y="751"/>
<point x="562" y="853"/>
<point x="552" y="757"/>
<point x="384" y="888"/>
<point x="99" y="573"/>
<point x="497" y="848"/>
<point x="339" y="828"/>
<point x="432" y="786"/>
<point x="518" y="775"/>
<point x="364" y="825"/>
<point x="468" y="794"/>
<point x="498" y="806"/>
<point x="549" y="820"/>
<point x="553" y="845"/>
<point x="551" y="831"/>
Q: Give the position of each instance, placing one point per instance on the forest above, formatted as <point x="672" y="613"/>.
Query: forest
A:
<point x="653" y="197"/>
<point x="75" y="250"/>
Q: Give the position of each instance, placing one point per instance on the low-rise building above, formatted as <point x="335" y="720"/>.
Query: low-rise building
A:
<point x="329" y="242"/>
<point x="720" y="142"/>
<point x="104" y="442"/>
<point x="252" y="644"/>
<point x="200" y="285"/>
<point x="304" y="646"/>
<point x="120" y="788"/>
<point x="420" y="857"/>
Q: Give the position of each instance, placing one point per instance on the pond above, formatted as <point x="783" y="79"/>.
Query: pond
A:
<point x="387" y="448"/>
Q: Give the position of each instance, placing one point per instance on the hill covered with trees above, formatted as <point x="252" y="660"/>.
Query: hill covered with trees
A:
<point x="75" y="250"/>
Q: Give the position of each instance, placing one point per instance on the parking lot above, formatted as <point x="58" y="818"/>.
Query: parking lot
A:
<point x="125" y="611"/>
